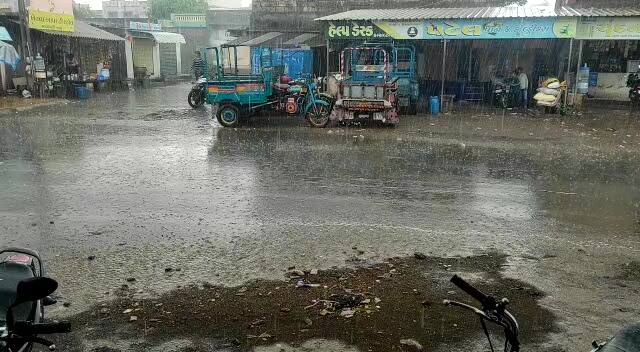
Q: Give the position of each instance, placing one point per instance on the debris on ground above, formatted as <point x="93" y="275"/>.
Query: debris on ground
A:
<point x="301" y="283"/>
<point x="133" y="318"/>
<point x="347" y="313"/>
<point x="420" y="256"/>
<point x="295" y="273"/>
<point x="410" y="345"/>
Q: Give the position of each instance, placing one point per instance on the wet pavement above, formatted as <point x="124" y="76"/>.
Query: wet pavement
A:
<point x="144" y="183"/>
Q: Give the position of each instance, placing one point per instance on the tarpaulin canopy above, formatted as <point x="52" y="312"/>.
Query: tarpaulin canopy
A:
<point x="9" y="55"/>
<point x="4" y="35"/>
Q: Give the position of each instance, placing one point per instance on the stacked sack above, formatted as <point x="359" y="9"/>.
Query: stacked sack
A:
<point x="549" y="93"/>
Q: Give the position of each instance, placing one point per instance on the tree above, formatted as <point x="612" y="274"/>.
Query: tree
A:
<point x="162" y="9"/>
<point x="82" y="11"/>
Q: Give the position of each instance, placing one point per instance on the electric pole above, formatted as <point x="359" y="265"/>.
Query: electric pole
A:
<point x="25" y="38"/>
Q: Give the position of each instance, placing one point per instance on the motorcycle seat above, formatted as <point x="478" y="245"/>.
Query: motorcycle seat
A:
<point x="627" y="340"/>
<point x="281" y="86"/>
<point x="11" y="274"/>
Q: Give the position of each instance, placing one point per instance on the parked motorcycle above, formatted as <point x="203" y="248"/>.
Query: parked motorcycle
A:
<point x="506" y="93"/>
<point x="633" y="82"/>
<point x="24" y="292"/>
<point x="494" y="311"/>
<point x="198" y="94"/>
<point x="302" y="98"/>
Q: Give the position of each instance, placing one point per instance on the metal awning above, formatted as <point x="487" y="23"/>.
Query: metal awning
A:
<point x="278" y="40"/>
<point x="477" y="12"/>
<point x="84" y="30"/>
<point x="166" y="37"/>
<point x="305" y="39"/>
<point x="4" y="35"/>
<point x="262" y="39"/>
<point x="236" y="42"/>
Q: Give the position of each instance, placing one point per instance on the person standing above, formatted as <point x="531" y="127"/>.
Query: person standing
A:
<point x="524" y="87"/>
<point x="198" y="65"/>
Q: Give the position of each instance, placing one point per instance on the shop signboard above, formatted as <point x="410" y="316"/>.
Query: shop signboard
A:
<point x="608" y="28"/>
<point x="145" y="26"/>
<point x="354" y="30"/>
<point x="491" y="28"/>
<point x="53" y="15"/>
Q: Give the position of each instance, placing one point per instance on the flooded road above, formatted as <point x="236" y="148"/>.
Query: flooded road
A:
<point x="144" y="183"/>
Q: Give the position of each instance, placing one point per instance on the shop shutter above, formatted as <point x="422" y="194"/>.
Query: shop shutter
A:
<point x="143" y="54"/>
<point x="168" y="61"/>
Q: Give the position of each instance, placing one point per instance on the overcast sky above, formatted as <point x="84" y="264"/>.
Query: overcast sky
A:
<point x="97" y="4"/>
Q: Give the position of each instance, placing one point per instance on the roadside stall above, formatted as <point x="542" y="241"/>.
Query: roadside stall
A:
<point x="75" y="63"/>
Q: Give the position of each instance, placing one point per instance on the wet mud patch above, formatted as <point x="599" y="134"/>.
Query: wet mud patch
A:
<point x="370" y="307"/>
<point x="631" y="271"/>
<point x="170" y="114"/>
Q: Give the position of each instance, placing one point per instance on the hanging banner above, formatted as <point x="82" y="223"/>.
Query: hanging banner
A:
<point x="608" y="28"/>
<point x="53" y="15"/>
<point x="507" y="28"/>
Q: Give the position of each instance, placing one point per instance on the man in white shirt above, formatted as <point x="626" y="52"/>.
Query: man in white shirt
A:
<point x="524" y="87"/>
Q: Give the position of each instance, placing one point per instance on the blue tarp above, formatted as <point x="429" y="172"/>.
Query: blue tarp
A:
<point x="4" y="35"/>
<point x="298" y="63"/>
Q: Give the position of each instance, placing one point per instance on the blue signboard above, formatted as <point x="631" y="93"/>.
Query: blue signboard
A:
<point x="490" y="28"/>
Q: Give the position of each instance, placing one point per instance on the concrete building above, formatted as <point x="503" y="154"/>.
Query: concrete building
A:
<point x="223" y="20"/>
<point x="124" y="9"/>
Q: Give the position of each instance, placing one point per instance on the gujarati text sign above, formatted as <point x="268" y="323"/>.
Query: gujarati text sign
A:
<point x="507" y="28"/>
<point x="53" y="15"/>
<point x="608" y="28"/>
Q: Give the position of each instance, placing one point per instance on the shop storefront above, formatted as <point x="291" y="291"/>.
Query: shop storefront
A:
<point x="86" y="57"/>
<point x="155" y="54"/>
<point x="610" y="50"/>
<point x="459" y="52"/>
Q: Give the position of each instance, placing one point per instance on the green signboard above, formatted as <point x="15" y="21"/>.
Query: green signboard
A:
<point x="608" y="28"/>
<point x="354" y="30"/>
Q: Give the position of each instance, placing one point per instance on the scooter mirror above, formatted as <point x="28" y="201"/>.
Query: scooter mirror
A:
<point x="34" y="289"/>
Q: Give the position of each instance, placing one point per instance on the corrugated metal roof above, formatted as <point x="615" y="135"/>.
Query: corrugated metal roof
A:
<point x="300" y="39"/>
<point x="476" y="12"/>
<point x="262" y="39"/>
<point x="604" y="12"/>
<point x="278" y="40"/>
<point x="84" y="30"/>
<point x="236" y="42"/>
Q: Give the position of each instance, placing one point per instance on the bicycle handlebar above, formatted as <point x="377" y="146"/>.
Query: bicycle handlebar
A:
<point x="25" y="328"/>
<point x="470" y="290"/>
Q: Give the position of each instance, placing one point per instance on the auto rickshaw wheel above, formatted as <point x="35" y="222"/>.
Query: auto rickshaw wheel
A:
<point x="228" y="115"/>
